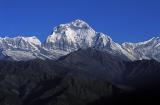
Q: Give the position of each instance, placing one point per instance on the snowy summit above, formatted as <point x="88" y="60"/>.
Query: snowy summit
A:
<point x="70" y="37"/>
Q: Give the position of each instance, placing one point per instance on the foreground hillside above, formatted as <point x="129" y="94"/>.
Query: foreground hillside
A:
<point x="80" y="78"/>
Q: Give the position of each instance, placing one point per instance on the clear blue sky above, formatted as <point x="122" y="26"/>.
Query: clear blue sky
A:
<point x="123" y="20"/>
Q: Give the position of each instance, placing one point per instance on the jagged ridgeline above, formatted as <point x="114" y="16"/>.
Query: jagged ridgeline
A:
<point x="70" y="37"/>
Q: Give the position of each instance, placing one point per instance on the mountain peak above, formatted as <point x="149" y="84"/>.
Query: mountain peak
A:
<point x="157" y="39"/>
<point x="19" y="42"/>
<point x="71" y="36"/>
<point x="144" y="50"/>
<point x="153" y="39"/>
<point x="33" y="39"/>
<point x="74" y="25"/>
<point x="75" y="35"/>
<point x="80" y="24"/>
<point x="79" y="21"/>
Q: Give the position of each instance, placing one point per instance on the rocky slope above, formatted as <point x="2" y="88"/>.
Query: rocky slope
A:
<point x="80" y="78"/>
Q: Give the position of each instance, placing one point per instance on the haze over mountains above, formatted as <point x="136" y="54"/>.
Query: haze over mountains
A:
<point x="70" y="37"/>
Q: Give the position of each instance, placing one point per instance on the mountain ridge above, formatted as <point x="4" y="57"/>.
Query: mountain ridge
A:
<point x="70" y="37"/>
<point x="79" y="78"/>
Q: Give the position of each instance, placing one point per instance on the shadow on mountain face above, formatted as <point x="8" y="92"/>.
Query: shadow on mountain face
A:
<point x="142" y="74"/>
<point x="47" y="82"/>
<point x="111" y="68"/>
<point x="80" y="78"/>
<point x="138" y="98"/>
<point x="96" y="63"/>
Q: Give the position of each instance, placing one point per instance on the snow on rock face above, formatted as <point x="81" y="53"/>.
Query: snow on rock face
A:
<point x="23" y="43"/>
<point x="144" y="50"/>
<point x="19" y="48"/>
<point x="105" y="43"/>
<point x="19" y="55"/>
<point x="72" y="36"/>
<point x="78" y="34"/>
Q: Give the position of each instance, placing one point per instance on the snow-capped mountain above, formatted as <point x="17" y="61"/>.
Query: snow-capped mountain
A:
<point x="144" y="50"/>
<point x="70" y="37"/>
<point x="105" y="43"/>
<point x="78" y="34"/>
<point x="19" y="48"/>
<point x="25" y="43"/>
